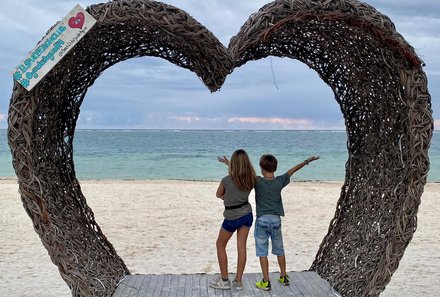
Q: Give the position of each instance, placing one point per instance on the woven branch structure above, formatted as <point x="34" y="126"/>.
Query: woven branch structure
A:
<point x="374" y="73"/>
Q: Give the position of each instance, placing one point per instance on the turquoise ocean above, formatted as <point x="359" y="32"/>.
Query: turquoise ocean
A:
<point x="192" y="154"/>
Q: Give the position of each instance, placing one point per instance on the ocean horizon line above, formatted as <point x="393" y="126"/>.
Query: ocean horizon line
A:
<point x="198" y="130"/>
<point x="10" y="178"/>
<point x="15" y="178"/>
<point x="212" y="130"/>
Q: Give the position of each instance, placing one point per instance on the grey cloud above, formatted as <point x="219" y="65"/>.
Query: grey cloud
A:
<point x="407" y="7"/>
<point x="153" y="93"/>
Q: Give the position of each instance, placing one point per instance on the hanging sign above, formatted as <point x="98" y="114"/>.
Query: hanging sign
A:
<point x="53" y="47"/>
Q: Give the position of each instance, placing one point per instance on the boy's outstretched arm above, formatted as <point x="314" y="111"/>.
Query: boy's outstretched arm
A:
<point x="223" y="160"/>
<point x="297" y="167"/>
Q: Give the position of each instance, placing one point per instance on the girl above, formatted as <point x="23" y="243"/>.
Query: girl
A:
<point x="234" y="189"/>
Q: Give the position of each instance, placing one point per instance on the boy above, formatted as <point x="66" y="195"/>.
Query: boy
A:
<point x="269" y="207"/>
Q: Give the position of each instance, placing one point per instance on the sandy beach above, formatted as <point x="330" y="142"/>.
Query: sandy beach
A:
<point x="171" y="226"/>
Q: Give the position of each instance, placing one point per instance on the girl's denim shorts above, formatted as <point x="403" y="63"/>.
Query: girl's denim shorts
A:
<point x="233" y="225"/>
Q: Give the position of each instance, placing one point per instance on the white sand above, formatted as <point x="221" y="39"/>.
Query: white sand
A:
<point x="171" y="227"/>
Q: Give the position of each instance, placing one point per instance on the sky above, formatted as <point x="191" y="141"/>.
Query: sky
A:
<point x="151" y="93"/>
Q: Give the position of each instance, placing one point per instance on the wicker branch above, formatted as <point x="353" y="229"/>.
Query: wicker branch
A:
<point x="374" y="73"/>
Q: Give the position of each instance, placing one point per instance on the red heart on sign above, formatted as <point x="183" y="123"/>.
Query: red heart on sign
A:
<point x="77" y="21"/>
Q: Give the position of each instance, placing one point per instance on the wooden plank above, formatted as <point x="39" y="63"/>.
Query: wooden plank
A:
<point x="180" y="290"/>
<point x="195" y="286"/>
<point x="174" y="285"/>
<point x="290" y="290"/>
<point x="247" y="286"/>
<point x="253" y="278"/>
<point x="120" y="288"/>
<point x="166" y="286"/>
<point x="276" y="290"/>
<point x="311" y="286"/>
<point x="209" y="278"/>
<point x="302" y="284"/>
<point x="242" y="292"/>
<point x="323" y="284"/>
<point x="150" y="285"/>
<point x="299" y="283"/>
<point x="137" y="286"/>
<point x="128" y="284"/>
<point x="159" y="286"/>
<point x="203" y="285"/>
<point x="218" y="293"/>
<point x="292" y="287"/>
<point x="227" y="293"/>
<point x="316" y="280"/>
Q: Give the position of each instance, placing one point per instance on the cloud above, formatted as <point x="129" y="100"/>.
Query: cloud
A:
<point x="3" y="117"/>
<point x="86" y="117"/>
<point x="187" y="119"/>
<point x="170" y="120"/>
<point x="437" y="124"/>
<point x="283" y="122"/>
<point x="407" y="7"/>
<point x="271" y="93"/>
<point x="223" y="18"/>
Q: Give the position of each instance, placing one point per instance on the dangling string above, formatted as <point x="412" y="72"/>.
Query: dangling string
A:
<point x="273" y="74"/>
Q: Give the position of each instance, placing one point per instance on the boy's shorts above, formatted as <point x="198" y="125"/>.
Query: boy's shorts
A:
<point x="268" y="226"/>
<point x="233" y="225"/>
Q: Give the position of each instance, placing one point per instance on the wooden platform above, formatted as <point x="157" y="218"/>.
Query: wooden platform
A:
<point x="302" y="284"/>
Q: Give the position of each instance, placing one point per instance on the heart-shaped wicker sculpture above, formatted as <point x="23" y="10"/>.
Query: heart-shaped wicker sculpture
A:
<point x="374" y="73"/>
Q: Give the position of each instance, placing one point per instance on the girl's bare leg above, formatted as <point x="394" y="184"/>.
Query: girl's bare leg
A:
<point x="242" y="235"/>
<point x="222" y="241"/>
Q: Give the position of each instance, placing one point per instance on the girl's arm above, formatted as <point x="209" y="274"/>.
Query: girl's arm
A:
<point x="297" y="167"/>
<point x="223" y="160"/>
<point x="220" y="191"/>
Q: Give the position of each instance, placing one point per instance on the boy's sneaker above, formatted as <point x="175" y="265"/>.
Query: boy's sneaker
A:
<point x="284" y="280"/>
<point x="264" y="285"/>
<point x="237" y="285"/>
<point x="220" y="284"/>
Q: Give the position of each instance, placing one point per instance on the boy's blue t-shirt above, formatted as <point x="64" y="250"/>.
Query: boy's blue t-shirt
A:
<point x="268" y="195"/>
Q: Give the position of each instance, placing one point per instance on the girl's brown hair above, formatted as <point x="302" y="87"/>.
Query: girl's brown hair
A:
<point x="241" y="171"/>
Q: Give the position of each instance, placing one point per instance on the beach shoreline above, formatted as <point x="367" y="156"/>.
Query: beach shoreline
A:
<point x="143" y="219"/>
